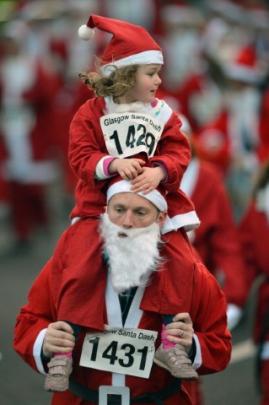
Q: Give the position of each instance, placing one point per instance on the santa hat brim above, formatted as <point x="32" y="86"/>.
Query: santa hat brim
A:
<point x="243" y="74"/>
<point x="124" y="186"/>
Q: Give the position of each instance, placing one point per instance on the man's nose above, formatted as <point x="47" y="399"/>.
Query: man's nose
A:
<point x="127" y="220"/>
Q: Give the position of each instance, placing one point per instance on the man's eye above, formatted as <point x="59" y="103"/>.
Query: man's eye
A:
<point x="119" y="210"/>
<point x="141" y="213"/>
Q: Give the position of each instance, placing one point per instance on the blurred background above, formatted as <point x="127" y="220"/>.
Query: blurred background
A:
<point x="216" y="74"/>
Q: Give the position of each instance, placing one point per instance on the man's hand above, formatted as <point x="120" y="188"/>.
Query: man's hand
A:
<point x="59" y="338"/>
<point x="148" y="180"/>
<point x="128" y="169"/>
<point x="181" y="330"/>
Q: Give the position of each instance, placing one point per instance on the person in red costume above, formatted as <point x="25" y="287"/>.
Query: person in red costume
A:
<point x="216" y="240"/>
<point x="125" y="130"/>
<point x="113" y="358"/>
<point x="254" y="232"/>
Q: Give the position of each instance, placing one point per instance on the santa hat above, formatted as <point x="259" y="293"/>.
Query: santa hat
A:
<point x="245" y="68"/>
<point x="130" y="44"/>
<point x="124" y="186"/>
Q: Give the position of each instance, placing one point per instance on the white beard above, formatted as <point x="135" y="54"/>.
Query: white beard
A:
<point x="133" y="258"/>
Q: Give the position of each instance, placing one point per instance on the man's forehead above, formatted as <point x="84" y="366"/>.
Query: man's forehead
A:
<point x="133" y="200"/>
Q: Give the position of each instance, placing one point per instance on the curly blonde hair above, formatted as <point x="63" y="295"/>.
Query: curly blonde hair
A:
<point x="116" y="85"/>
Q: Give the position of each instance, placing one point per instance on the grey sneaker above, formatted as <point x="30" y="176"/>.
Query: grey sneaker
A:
<point x="176" y="361"/>
<point x="60" y="368"/>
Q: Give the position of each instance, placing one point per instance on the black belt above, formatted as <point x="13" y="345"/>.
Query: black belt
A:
<point x="156" y="398"/>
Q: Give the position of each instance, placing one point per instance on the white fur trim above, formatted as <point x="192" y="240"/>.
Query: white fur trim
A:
<point x="115" y="320"/>
<point x="234" y="314"/>
<point x="99" y="170"/>
<point x="265" y="351"/>
<point x="262" y="201"/>
<point x="37" y="351"/>
<point x="190" y="177"/>
<point x="141" y="58"/>
<point x="162" y="111"/>
<point x="243" y="74"/>
<point x="124" y="186"/>
<point x="188" y="221"/>
<point x="86" y="33"/>
<point x="198" y="361"/>
<point x="31" y="172"/>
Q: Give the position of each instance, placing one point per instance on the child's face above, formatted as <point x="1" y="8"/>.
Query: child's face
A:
<point x="147" y="83"/>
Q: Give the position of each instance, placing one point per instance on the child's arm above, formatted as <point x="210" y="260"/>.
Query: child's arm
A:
<point x="86" y="145"/>
<point x="128" y="169"/>
<point x="149" y="179"/>
<point x="173" y="153"/>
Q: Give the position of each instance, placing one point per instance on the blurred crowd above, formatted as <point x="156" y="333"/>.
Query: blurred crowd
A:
<point x="216" y="75"/>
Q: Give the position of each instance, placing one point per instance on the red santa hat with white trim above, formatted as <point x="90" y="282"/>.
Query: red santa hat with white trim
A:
<point x="155" y="196"/>
<point x="245" y="68"/>
<point x="130" y="44"/>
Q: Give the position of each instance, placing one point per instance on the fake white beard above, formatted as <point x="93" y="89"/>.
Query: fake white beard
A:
<point x="133" y="258"/>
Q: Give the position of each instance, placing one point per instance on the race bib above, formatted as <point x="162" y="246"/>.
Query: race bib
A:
<point x="118" y="350"/>
<point x="128" y="134"/>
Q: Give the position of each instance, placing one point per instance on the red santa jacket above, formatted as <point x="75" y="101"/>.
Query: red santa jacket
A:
<point x="87" y="148"/>
<point x="216" y="239"/>
<point x="196" y="292"/>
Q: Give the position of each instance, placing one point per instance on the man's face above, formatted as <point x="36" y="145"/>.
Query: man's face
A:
<point x="130" y="210"/>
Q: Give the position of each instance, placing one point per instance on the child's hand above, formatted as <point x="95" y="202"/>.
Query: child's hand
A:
<point x="181" y="330"/>
<point x="148" y="180"/>
<point x="59" y="338"/>
<point x="128" y="169"/>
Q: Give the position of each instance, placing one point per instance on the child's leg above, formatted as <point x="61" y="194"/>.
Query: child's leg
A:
<point x="166" y="344"/>
<point x="173" y="357"/>
<point x="60" y="368"/>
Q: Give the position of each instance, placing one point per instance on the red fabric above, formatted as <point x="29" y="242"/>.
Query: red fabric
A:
<point x="195" y="291"/>
<point x="41" y="97"/>
<point x="217" y="239"/>
<point x="87" y="147"/>
<point x="263" y="147"/>
<point x="127" y="40"/>
<point x="28" y="208"/>
<point x="79" y="253"/>
<point x="212" y="143"/>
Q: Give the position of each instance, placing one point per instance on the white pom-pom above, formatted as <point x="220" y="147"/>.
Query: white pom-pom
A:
<point x="85" y="32"/>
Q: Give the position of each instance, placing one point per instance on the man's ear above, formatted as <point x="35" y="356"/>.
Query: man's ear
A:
<point x="162" y="218"/>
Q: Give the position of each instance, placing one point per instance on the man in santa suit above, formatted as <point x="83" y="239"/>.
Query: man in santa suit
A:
<point x="116" y="357"/>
